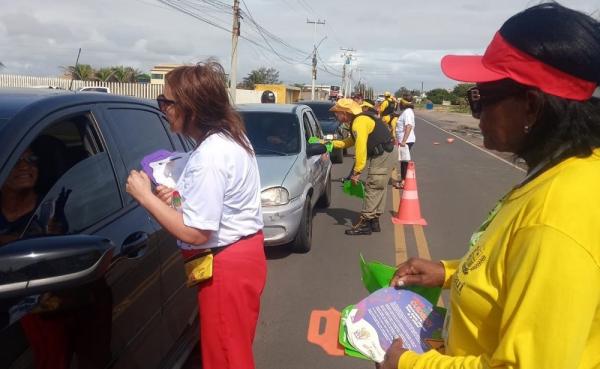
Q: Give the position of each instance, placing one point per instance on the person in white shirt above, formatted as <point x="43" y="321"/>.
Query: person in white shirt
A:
<point x="405" y="136"/>
<point x="214" y="209"/>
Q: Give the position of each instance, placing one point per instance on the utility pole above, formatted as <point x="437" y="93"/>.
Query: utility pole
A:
<point x="235" y="34"/>
<point x="314" y="58"/>
<point x="73" y="75"/>
<point x="348" y="57"/>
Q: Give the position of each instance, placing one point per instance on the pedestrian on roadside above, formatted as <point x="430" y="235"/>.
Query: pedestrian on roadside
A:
<point x="373" y="146"/>
<point x="405" y="136"/>
<point x="386" y="111"/>
<point x="214" y="212"/>
<point x="526" y="293"/>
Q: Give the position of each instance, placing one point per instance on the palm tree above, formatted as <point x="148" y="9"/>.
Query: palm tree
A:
<point x="104" y="74"/>
<point x="83" y="72"/>
<point x="121" y="74"/>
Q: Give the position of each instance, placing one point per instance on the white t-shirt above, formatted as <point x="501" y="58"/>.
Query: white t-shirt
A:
<point x="220" y="192"/>
<point x="406" y="118"/>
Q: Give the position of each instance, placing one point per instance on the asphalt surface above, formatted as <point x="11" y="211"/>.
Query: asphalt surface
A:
<point x="458" y="184"/>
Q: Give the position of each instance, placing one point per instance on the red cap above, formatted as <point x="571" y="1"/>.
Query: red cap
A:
<point x="501" y="60"/>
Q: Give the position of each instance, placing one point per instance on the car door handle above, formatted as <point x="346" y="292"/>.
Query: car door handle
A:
<point x="135" y="245"/>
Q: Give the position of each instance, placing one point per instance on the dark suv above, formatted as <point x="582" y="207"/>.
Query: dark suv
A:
<point x="87" y="278"/>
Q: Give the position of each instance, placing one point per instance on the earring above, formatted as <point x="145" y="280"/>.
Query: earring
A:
<point x="526" y="129"/>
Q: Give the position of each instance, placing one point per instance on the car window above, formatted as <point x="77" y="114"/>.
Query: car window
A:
<point x="307" y="128"/>
<point x="62" y="183"/>
<point x="272" y="134"/>
<point x="138" y="133"/>
<point x="322" y="111"/>
<point x="316" y="129"/>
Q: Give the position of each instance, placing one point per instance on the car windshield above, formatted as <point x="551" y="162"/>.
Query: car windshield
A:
<point x="273" y="134"/>
<point x="329" y="126"/>
<point x="322" y="111"/>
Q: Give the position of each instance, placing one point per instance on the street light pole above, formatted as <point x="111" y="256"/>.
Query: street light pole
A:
<point x="314" y="58"/>
<point x="347" y="58"/>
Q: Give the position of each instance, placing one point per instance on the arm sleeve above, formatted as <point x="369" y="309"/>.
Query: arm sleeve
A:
<point x="450" y="267"/>
<point x="343" y="144"/>
<point x="383" y="106"/>
<point x="394" y="123"/>
<point x="410" y="119"/>
<point x="203" y="192"/>
<point x="361" y="133"/>
<point x="550" y="299"/>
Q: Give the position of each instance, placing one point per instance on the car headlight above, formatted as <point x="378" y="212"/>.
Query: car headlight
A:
<point x="274" y="196"/>
<point x="330" y="137"/>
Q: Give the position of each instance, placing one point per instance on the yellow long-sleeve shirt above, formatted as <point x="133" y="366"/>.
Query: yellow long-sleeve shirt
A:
<point x="527" y="295"/>
<point x="361" y="127"/>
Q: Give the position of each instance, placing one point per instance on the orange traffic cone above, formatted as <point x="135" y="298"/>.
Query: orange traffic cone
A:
<point x="409" y="210"/>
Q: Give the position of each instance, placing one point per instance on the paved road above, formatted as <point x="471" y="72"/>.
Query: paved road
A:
<point x="458" y="184"/>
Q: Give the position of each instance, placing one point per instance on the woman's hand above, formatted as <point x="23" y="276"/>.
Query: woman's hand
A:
<point x="164" y="193"/>
<point x="419" y="272"/>
<point x="139" y="186"/>
<point x="392" y="356"/>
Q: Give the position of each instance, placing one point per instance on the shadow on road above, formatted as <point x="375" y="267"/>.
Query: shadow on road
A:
<point x="342" y="216"/>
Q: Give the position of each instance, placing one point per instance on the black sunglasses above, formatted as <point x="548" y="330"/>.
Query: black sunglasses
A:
<point x="479" y="96"/>
<point x="164" y="103"/>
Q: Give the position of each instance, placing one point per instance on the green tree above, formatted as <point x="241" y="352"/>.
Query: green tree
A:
<point x="438" y="95"/>
<point x="143" y="78"/>
<point x="460" y="93"/>
<point x="104" y="74"/>
<point x="83" y="72"/>
<point x="261" y="75"/>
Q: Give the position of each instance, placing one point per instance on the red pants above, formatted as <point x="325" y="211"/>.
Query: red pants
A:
<point x="229" y="304"/>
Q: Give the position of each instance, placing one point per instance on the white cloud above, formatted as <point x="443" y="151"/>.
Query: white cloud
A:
<point x="397" y="43"/>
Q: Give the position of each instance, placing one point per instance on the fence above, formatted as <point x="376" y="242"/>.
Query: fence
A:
<point x="142" y="90"/>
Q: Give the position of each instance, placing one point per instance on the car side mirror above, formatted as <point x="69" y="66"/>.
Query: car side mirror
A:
<point x="36" y="265"/>
<point x="315" y="149"/>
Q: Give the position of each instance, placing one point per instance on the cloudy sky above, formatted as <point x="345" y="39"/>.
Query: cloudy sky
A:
<point x="397" y="43"/>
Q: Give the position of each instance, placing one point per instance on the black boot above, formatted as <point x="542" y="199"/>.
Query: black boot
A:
<point x="362" y="227"/>
<point x="375" y="225"/>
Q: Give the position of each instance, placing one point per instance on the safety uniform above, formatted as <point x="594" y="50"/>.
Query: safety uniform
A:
<point x="526" y="294"/>
<point x="387" y="112"/>
<point x="373" y="146"/>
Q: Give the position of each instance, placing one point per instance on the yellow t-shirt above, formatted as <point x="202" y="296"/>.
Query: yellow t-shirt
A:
<point x="527" y="295"/>
<point x="362" y="126"/>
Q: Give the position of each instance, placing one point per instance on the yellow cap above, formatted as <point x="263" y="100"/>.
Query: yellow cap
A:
<point x="387" y="94"/>
<point x="346" y="106"/>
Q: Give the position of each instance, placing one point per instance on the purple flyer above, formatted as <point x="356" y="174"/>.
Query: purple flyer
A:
<point x="153" y="157"/>
<point x="390" y="313"/>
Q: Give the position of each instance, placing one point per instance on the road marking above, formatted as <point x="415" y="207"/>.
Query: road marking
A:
<point x="399" y="237"/>
<point x="475" y="146"/>
<point x="422" y="246"/>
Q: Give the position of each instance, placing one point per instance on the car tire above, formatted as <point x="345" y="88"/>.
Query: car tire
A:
<point x="303" y="240"/>
<point x="325" y="199"/>
<point x="337" y="156"/>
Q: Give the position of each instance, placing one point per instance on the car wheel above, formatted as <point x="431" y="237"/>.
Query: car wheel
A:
<point x="337" y="156"/>
<point x="325" y="199"/>
<point x="303" y="240"/>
